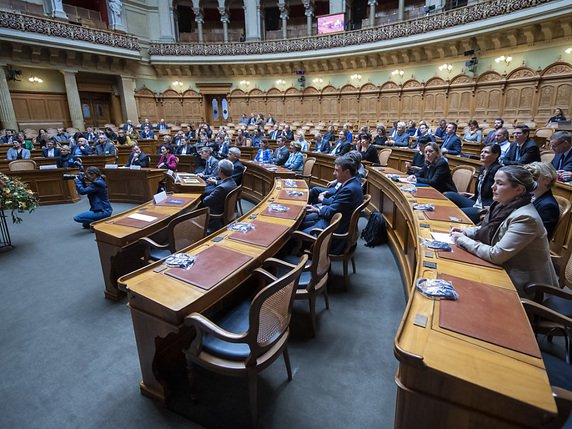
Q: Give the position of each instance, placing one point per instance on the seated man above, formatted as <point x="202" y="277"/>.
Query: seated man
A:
<point x="61" y="137"/>
<point x="215" y="200"/>
<point x="561" y="144"/>
<point x="104" y="146"/>
<point x="264" y="154"/>
<point x="523" y="150"/>
<point x="401" y="137"/>
<point x="491" y="137"/>
<point x="146" y="134"/>
<point x="67" y="160"/>
<point x="321" y="144"/>
<point x="137" y="157"/>
<point x="7" y="137"/>
<point x="90" y="135"/>
<point x="17" y="151"/>
<point x="82" y="148"/>
<point x="281" y="153"/>
<point x="501" y="136"/>
<point x="233" y="156"/>
<point x="50" y="151"/>
<point x="451" y="142"/>
<point x="211" y="163"/>
<point x="344" y="201"/>
<point x="342" y="146"/>
<point x="186" y="148"/>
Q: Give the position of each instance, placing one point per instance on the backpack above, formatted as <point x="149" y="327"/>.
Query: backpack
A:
<point x="375" y="232"/>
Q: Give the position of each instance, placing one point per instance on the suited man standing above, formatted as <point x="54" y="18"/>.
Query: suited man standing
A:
<point x="523" y="150"/>
<point x="342" y="146"/>
<point x="215" y="200"/>
<point x="451" y="142"/>
<point x="344" y="201"/>
<point x="561" y="144"/>
<point x="137" y="157"/>
<point x="281" y="153"/>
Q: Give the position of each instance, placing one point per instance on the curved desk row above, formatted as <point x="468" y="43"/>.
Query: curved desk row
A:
<point x="160" y="299"/>
<point x="450" y="375"/>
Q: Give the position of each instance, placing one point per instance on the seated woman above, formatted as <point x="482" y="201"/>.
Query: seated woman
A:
<point x="264" y="154"/>
<point x="418" y="157"/>
<point x="472" y="204"/>
<point x="381" y="137"/>
<point x="302" y="140"/>
<point x="512" y="233"/>
<point x="366" y="149"/>
<point x="545" y="176"/>
<point x="66" y="159"/>
<point x="473" y="134"/>
<point x="168" y="161"/>
<point x="123" y="138"/>
<point x="558" y="116"/>
<point x="295" y="161"/>
<point x="435" y="172"/>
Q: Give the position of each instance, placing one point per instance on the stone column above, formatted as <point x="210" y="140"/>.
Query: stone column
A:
<point x="337" y="6"/>
<point x="309" y="6"/>
<point x="166" y="22"/>
<point x="200" y="21"/>
<point x="56" y="9"/>
<point x="127" y="96"/>
<point x="225" y="20"/>
<point x="401" y="11"/>
<point x="74" y="102"/>
<point x="7" y="114"/>
<point x="372" y="4"/>
<point x="283" y="7"/>
<point x="252" y="20"/>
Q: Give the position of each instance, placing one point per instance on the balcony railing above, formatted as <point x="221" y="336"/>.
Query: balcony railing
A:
<point x="53" y="28"/>
<point x="440" y="21"/>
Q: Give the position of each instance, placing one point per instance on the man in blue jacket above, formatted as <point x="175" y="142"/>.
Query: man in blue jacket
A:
<point x="345" y="200"/>
<point x="451" y="142"/>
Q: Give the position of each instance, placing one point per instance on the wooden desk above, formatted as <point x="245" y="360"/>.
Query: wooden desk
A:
<point x="159" y="303"/>
<point x="118" y="251"/>
<point x="446" y="379"/>
<point x="49" y="185"/>
<point x="259" y="179"/>
<point x="189" y="188"/>
<point x="88" y="161"/>
<point x="133" y="186"/>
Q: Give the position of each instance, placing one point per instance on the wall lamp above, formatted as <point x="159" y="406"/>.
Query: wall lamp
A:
<point x="35" y="79"/>
<point x="446" y="67"/>
<point x="397" y="72"/>
<point x="245" y="83"/>
<point x="568" y="51"/>
<point x="318" y="80"/>
<point x="504" y="59"/>
<point x="178" y="84"/>
<point x="280" y="82"/>
<point x="356" y="77"/>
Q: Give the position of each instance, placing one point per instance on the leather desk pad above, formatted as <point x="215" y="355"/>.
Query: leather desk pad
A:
<point x="211" y="266"/>
<point x="284" y="195"/>
<point x="461" y="255"/>
<point x="490" y="314"/>
<point x="290" y="214"/>
<point x="443" y="213"/>
<point x="263" y="234"/>
<point x="136" y="223"/>
<point x="169" y="202"/>
<point x="429" y="193"/>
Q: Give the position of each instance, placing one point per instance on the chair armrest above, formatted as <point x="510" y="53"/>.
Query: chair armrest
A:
<point x="264" y="276"/>
<point x="302" y="236"/>
<point x="546" y="313"/>
<point x="540" y="288"/>
<point x="204" y="325"/>
<point x="148" y="242"/>
<point x="563" y="400"/>
<point x="344" y="235"/>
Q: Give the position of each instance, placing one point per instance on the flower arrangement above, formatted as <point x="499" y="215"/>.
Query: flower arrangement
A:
<point x="16" y="196"/>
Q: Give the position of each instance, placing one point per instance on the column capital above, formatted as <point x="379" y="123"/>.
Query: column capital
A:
<point x="224" y="14"/>
<point x="198" y="11"/>
<point x="68" y="71"/>
<point x="372" y="2"/>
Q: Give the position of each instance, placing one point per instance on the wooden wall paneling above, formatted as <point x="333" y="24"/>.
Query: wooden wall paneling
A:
<point x="435" y="100"/>
<point x="389" y="102"/>
<point x="257" y="102"/>
<point x="412" y="101"/>
<point x="275" y="104"/>
<point x="349" y="104"/>
<point x="555" y="91"/>
<point x="368" y="105"/>
<point x="236" y="105"/>
<point x="520" y="95"/>
<point x="292" y="105"/>
<point x="311" y="105"/>
<point x="147" y="105"/>
<point x="172" y="102"/>
<point x="460" y="99"/>
<point x="488" y="97"/>
<point x="192" y="107"/>
<point x="330" y="106"/>
<point x="31" y="107"/>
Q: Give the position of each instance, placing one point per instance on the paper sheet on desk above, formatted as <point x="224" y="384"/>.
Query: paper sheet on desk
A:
<point x="442" y="236"/>
<point x="142" y="217"/>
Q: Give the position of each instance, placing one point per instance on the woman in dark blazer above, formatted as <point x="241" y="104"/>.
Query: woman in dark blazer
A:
<point x="435" y="172"/>
<point x="472" y="204"/>
<point x="546" y="205"/>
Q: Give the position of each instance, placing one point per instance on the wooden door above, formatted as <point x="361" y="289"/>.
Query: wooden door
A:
<point x="214" y="109"/>
<point x="96" y="108"/>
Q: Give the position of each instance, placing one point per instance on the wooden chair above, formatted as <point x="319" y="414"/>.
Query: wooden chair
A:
<point x="350" y="238"/>
<point x="543" y="135"/>
<point x="546" y="156"/>
<point x="563" y="400"/>
<point x="307" y="169"/>
<point x="182" y="231"/>
<point x="549" y="322"/>
<point x="252" y="335"/>
<point x="314" y="278"/>
<point x="384" y="155"/>
<point x="462" y="177"/>
<point x="230" y="202"/>
<point x="22" y="165"/>
<point x="559" y="237"/>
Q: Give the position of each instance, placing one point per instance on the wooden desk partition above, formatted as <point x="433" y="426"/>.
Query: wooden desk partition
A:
<point x="119" y="252"/>
<point x="159" y="303"/>
<point x="447" y="379"/>
<point x="133" y="186"/>
<point x="49" y="185"/>
<point x="259" y="179"/>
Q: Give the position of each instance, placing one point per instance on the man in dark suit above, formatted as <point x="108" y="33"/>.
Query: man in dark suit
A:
<point x="186" y="148"/>
<point x="50" y="151"/>
<point x="345" y="200"/>
<point x="451" y="142"/>
<point x="104" y="146"/>
<point x="211" y="163"/>
<point x="215" y="200"/>
<point x="287" y="133"/>
<point x="322" y="145"/>
<point x="561" y="144"/>
<point x="238" y="170"/>
<point x="275" y="133"/>
<point x="342" y="146"/>
<point x="146" y="134"/>
<point x="136" y="157"/>
<point x="128" y="127"/>
<point x="523" y="150"/>
<point x="90" y="135"/>
<point x="491" y="136"/>
<point x="281" y="153"/>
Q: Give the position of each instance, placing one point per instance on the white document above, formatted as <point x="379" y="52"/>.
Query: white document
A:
<point x="442" y="236"/>
<point x="142" y="217"/>
<point x="160" y="197"/>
